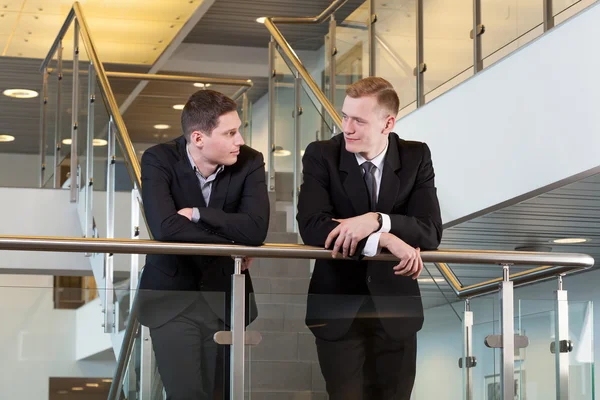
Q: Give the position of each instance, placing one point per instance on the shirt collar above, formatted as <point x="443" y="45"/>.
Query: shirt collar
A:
<point x="193" y="164"/>
<point x="377" y="161"/>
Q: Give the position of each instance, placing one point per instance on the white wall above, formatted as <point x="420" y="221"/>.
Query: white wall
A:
<point x="528" y="121"/>
<point x="36" y="341"/>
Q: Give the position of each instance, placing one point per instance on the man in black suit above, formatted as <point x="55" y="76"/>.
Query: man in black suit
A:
<point x="363" y="191"/>
<point x="204" y="187"/>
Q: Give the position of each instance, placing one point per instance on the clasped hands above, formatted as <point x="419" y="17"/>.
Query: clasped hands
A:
<point x="351" y="231"/>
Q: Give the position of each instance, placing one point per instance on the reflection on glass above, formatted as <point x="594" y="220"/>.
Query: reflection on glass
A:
<point x="284" y="123"/>
<point x="447" y="47"/>
<point x="508" y="26"/>
<point x="395" y="46"/>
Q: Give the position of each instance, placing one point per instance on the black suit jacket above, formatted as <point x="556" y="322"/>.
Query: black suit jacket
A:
<point x="334" y="188"/>
<point x="237" y="213"/>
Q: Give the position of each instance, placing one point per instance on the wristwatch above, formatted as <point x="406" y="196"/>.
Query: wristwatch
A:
<point x="380" y="221"/>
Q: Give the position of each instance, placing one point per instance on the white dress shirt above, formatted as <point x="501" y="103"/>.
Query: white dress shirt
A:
<point x="372" y="246"/>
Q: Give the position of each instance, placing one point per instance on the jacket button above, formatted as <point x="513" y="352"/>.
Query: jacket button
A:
<point x="369" y="279"/>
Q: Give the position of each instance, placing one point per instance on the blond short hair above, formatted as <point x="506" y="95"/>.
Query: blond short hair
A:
<point x="387" y="98"/>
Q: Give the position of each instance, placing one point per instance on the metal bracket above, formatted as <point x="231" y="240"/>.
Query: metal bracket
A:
<point x="566" y="346"/>
<point x="422" y="69"/>
<point x="373" y="18"/>
<point x="495" y="341"/>
<point x="253" y="338"/>
<point x="480" y="31"/>
<point x="471" y="362"/>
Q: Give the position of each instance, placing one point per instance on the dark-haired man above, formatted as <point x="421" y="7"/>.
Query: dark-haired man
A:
<point x="204" y="187"/>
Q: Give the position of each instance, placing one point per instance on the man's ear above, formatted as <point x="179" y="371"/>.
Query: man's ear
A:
<point x="390" y="122"/>
<point x="197" y="139"/>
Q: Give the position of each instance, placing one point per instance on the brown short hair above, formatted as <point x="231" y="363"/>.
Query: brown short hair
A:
<point x="387" y="97"/>
<point x="202" y="111"/>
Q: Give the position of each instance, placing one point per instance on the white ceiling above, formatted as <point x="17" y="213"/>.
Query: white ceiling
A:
<point x="125" y="32"/>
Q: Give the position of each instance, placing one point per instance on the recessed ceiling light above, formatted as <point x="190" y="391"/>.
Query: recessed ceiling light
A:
<point x="94" y="385"/>
<point x="431" y="280"/>
<point x="63" y="392"/>
<point x="96" y="142"/>
<point x="281" y="152"/>
<point x="569" y="240"/>
<point x="99" y="142"/>
<point x="202" y="85"/>
<point x="179" y="106"/>
<point x="20" y="93"/>
<point x="6" y="138"/>
<point x="107" y="380"/>
<point x="162" y="126"/>
<point x="261" y="20"/>
<point x="77" y="389"/>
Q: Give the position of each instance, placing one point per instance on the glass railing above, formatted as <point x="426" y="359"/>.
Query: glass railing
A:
<point x="48" y="352"/>
<point x="280" y="341"/>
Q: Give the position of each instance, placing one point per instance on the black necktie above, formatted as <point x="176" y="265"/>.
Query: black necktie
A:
<point x="369" y="177"/>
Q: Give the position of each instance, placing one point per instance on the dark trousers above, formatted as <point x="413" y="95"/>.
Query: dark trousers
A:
<point x="366" y="364"/>
<point x="191" y="365"/>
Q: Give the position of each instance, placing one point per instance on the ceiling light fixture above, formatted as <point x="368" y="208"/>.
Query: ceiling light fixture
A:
<point x="178" y="106"/>
<point x="162" y="126"/>
<point x="63" y="392"/>
<point x="431" y="280"/>
<point x="94" y="385"/>
<point x="202" y="85"/>
<point x="261" y="20"/>
<point x="96" y="142"/>
<point x="20" y="93"/>
<point x="107" y="380"/>
<point x="6" y="138"/>
<point x="570" y="240"/>
<point x="281" y="152"/>
<point x="77" y="389"/>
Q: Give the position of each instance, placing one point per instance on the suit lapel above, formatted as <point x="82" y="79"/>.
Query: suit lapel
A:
<point x="353" y="182"/>
<point x="189" y="180"/>
<point x="220" y="185"/>
<point x="390" y="180"/>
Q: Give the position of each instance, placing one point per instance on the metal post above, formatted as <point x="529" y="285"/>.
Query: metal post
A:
<point x="508" y="336"/>
<point x="476" y="36"/>
<point x="332" y="54"/>
<point x="420" y="69"/>
<point x="109" y="316"/>
<point x="468" y="350"/>
<point x="135" y="234"/>
<point x="548" y="15"/>
<point x="43" y="138"/>
<point x="561" y="338"/>
<point x="238" y="333"/>
<point x="147" y="364"/>
<point x="89" y="164"/>
<point x="57" y="123"/>
<point x="245" y="122"/>
<point x="372" y="36"/>
<point x="297" y="143"/>
<point x="271" y="139"/>
<point x="74" y="116"/>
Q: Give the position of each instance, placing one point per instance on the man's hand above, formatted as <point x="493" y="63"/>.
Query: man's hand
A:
<point x="186" y="212"/>
<point x="411" y="263"/>
<point x="349" y="232"/>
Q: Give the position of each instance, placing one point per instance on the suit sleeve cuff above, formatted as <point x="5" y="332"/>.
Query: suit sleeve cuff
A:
<point x="195" y="215"/>
<point x="386" y="225"/>
<point x="372" y="246"/>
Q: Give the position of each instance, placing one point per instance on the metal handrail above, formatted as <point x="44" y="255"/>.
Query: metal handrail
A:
<point x="567" y="262"/>
<point x="111" y="103"/>
<point x="333" y="7"/>
<point x="295" y="60"/>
